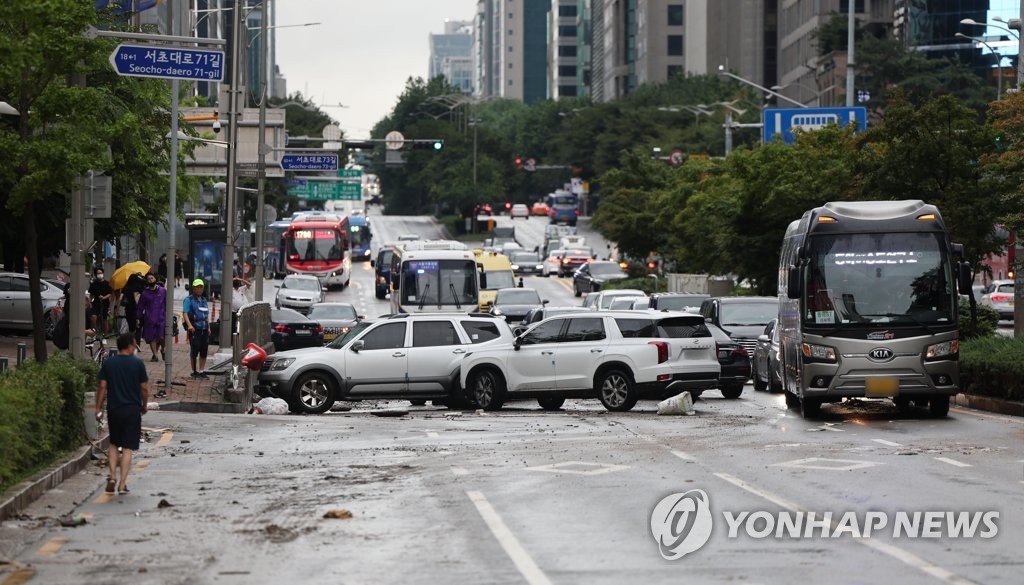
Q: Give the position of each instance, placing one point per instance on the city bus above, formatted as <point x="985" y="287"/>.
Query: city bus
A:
<point x="868" y="305"/>
<point x="359" y="236"/>
<point x="564" y="207"/>
<point x="433" y="275"/>
<point x="273" y="249"/>
<point x="317" y="244"/>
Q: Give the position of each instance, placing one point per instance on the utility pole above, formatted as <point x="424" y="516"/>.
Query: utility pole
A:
<point x="1018" y="274"/>
<point x="231" y="196"/>
<point x="728" y="132"/>
<point x="262" y="159"/>
<point x="851" y="24"/>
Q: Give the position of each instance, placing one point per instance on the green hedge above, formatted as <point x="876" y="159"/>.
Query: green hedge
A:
<point x="987" y="321"/>
<point x="41" y="414"/>
<point x="992" y="366"/>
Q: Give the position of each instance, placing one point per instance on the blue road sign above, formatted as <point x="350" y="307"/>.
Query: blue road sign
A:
<point x="168" y="62"/>
<point x="295" y="182"/>
<point x="309" y="162"/>
<point x="782" y="121"/>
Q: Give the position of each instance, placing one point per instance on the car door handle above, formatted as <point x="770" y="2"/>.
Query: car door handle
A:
<point x="460" y="350"/>
<point x="547" y="353"/>
<point x="398" y="354"/>
<point x="595" y="350"/>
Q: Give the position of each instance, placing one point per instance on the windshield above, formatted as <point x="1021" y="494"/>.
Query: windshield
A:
<point x="301" y="284"/>
<point x="878" y="278"/>
<point x="314" y="244"/>
<point x="499" y="279"/>
<point x="562" y="200"/>
<point x="333" y="312"/>
<point x="517" y="297"/>
<point x="359" y="235"/>
<point x="528" y="258"/>
<point x="341" y="340"/>
<point x="753" y="313"/>
<point x="433" y="282"/>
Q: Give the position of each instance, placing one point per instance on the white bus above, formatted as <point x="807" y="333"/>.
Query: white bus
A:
<point x="433" y="275"/>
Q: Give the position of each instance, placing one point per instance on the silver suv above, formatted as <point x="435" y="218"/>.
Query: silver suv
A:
<point x="414" y="357"/>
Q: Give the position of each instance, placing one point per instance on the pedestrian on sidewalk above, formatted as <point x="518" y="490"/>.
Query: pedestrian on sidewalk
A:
<point x="152" y="315"/>
<point x="100" y="294"/>
<point x="179" y="269"/>
<point x="195" y="312"/>
<point x="123" y="385"/>
<point x="161" y="267"/>
<point x="239" y="297"/>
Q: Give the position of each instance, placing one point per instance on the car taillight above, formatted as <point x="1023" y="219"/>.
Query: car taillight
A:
<point x="319" y="328"/>
<point x="565" y="260"/>
<point x="576" y="211"/>
<point x="282" y="328"/>
<point x="1001" y="298"/>
<point x="662" y="350"/>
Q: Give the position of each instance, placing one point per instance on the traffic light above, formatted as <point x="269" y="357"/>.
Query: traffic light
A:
<point x="519" y="163"/>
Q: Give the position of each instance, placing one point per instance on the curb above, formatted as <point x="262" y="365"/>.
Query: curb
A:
<point x="989" y="404"/>
<point x="18" y="497"/>
<point x="205" y="407"/>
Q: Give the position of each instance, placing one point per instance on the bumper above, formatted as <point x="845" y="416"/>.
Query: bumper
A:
<point x="825" y="381"/>
<point x="697" y="381"/>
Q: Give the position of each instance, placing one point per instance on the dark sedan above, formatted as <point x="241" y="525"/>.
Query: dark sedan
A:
<point x="592" y="276"/>
<point x="527" y="263"/>
<point x="290" y="329"/>
<point x="570" y="261"/>
<point x="336" y="318"/>
<point x="766" y="372"/>
<point x="514" y="303"/>
<point x="735" y="362"/>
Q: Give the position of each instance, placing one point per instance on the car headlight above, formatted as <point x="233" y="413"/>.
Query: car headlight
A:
<point x="496" y="311"/>
<point x="515" y="267"/>
<point x="941" y="350"/>
<point x="278" y="365"/>
<point x="540" y="266"/>
<point x="819" y="353"/>
<point x="343" y="331"/>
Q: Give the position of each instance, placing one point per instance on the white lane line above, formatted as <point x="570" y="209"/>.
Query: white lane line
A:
<point x="459" y="471"/>
<point x="882" y="547"/>
<point x="889" y="443"/>
<point x="953" y="462"/>
<point x="684" y="456"/>
<point x="527" y="568"/>
<point x="432" y="435"/>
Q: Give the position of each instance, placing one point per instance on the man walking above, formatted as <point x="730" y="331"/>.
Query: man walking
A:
<point x="152" y="316"/>
<point x="100" y="292"/>
<point x="123" y="385"/>
<point x="196" y="316"/>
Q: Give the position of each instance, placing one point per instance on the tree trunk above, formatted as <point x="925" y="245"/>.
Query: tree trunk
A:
<point x="35" y="294"/>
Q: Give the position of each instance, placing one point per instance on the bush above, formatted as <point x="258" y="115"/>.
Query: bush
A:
<point x="644" y="284"/>
<point x="988" y="320"/>
<point x="41" y="414"/>
<point x="992" y="366"/>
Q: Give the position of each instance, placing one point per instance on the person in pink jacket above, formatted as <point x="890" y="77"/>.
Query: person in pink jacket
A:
<point x="151" y="315"/>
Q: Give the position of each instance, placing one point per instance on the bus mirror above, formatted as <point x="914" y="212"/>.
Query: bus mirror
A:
<point x="964" y="280"/>
<point x="957" y="249"/>
<point x="801" y="253"/>
<point x="793" y="282"/>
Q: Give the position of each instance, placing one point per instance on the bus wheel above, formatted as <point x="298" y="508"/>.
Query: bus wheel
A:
<point x="810" y="407"/>
<point x="939" y="406"/>
<point x="791" y="400"/>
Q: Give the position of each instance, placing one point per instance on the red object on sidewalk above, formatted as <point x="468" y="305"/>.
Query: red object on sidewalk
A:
<point x="253" y="357"/>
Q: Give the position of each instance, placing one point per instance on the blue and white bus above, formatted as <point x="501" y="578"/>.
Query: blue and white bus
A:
<point x="359" y="236"/>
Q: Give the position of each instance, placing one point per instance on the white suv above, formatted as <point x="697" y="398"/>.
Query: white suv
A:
<point x="408" y="356"/>
<point x="615" y="356"/>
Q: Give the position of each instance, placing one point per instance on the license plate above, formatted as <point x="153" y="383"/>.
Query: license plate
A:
<point x="329" y="336"/>
<point x="303" y="332"/>
<point x="882" y="387"/>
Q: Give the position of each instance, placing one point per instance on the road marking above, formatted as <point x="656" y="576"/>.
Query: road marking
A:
<point x="152" y="430"/>
<point x="891" y="550"/>
<point x="19" y="577"/>
<point x="52" y="546"/>
<point x="142" y="464"/>
<point x="953" y="462"/>
<point x="581" y="468"/>
<point x="684" y="456"/>
<point x="459" y="472"/>
<point x="888" y="443"/>
<point x="432" y="435"/>
<point x="527" y="568"/>
<point x="103" y="498"/>
<point x="828" y="464"/>
<point x="164" y="439"/>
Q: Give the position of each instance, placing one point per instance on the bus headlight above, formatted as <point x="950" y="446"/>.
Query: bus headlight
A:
<point x="819" y="353"/>
<point x="942" y="350"/>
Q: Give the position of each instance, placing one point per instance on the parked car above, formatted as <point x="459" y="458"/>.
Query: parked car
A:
<point x="677" y="301"/>
<point x="538" y="314"/>
<point x="513" y="304"/>
<point x="336" y="318"/>
<point x="520" y="210"/>
<point x="408" y="356"/>
<point x="299" y="292"/>
<point x="553" y="262"/>
<point x="742" y="318"/>
<point x="616" y="357"/>
<point x="766" y="373"/>
<point x="526" y="263"/>
<point x="381" y="265"/>
<point x="16" y="305"/>
<point x="540" y="208"/>
<point x="999" y="296"/>
<point x="592" y="276"/>
<point x="290" y="329"/>
<point x="735" y="362"/>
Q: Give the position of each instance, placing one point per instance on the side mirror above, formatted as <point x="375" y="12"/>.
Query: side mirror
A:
<point x="277" y="286"/>
<point x="793" y="282"/>
<point x="544" y="302"/>
<point x="964" y="280"/>
<point x="372" y="263"/>
<point x="360" y="317"/>
<point x="517" y="331"/>
<point x="762" y="338"/>
<point x="357" y="345"/>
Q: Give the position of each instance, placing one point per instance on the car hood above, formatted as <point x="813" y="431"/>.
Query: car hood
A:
<point x="515" y="309"/>
<point x="608" y="277"/>
<point x="298" y="294"/>
<point x="306" y="353"/>
<point x="336" y="322"/>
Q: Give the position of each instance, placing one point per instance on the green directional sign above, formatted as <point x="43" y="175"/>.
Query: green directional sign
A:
<point x="350" y="173"/>
<point x="327" y="191"/>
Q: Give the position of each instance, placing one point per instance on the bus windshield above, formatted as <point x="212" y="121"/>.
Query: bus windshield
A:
<point x="878" y="278"/>
<point x="314" y="244"/>
<point x="359" y="235"/>
<point x="563" y="200"/>
<point x="439" y="282"/>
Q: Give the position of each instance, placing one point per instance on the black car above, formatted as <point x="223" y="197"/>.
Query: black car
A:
<point x="290" y="329"/>
<point x="381" y="265"/>
<point x="766" y="373"/>
<point x="742" y="318"/>
<point x="570" y="261"/>
<point x="592" y="276"/>
<point x="336" y="318"/>
<point x="677" y="301"/>
<point x="527" y="263"/>
<point x="735" y="362"/>
<point x="514" y="303"/>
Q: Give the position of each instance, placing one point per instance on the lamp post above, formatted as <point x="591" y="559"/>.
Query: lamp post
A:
<point x="817" y="93"/>
<point x="723" y="72"/>
<point x="261" y="161"/>
<point x="229" y="224"/>
<point x="998" y="61"/>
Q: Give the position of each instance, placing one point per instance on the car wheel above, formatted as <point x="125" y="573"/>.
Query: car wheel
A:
<point x="551" y="403"/>
<point x="810" y="407"/>
<point x="314" y="393"/>
<point x="615" y="390"/>
<point x="775" y="384"/>
<point x="939" y="406"/>
<point x="732" y="391"/>
<point x="50" y="321"/>
<point x="417" y="402"/>
<point x="759" y="384"/>
<point x="791" y="400"/>
<point x="488" y="389"/>
<point x="576" y="290"/>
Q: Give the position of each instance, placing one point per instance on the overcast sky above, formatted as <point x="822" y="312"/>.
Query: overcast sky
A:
<point x="362" y="53"/>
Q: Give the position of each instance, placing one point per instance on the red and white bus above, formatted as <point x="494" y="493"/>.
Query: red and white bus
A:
<point x="318" y="245"/>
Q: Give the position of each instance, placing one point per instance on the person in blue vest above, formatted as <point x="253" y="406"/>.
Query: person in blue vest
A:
<point x="196" y="316"/>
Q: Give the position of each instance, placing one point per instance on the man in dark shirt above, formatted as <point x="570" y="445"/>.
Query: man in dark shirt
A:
<point x="124" y="387"/>
<point x="100" y="293"/>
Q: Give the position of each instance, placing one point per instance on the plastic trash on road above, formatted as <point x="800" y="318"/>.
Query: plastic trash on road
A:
<point x="270" y="406"/>
<point x="678" y="405"/>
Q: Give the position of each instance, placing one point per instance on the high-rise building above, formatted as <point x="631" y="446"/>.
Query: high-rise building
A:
<point x="563" y="49"/>
<point x="451" y="54"/>
<point x="510" y="49"/>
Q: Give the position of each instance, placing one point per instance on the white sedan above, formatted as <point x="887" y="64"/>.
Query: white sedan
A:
<point x="520" y="210"/>
<point x="552" y="262"/>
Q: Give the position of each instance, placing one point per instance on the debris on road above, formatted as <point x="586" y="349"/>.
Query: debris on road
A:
<point x="339" y="514"/>
<point x="72" y="521"/>
<point x="164" y="504"/>
<point x="270" y="406"/>
<point x="390" y="412"/>
<point x="676" y="405"/>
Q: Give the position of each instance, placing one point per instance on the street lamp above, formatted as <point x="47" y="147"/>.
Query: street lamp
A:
<point x="817" y="93"/>
<point x="998" y="61"/>
<point x="723" y="72"/>
<point x="697" y="111"/>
